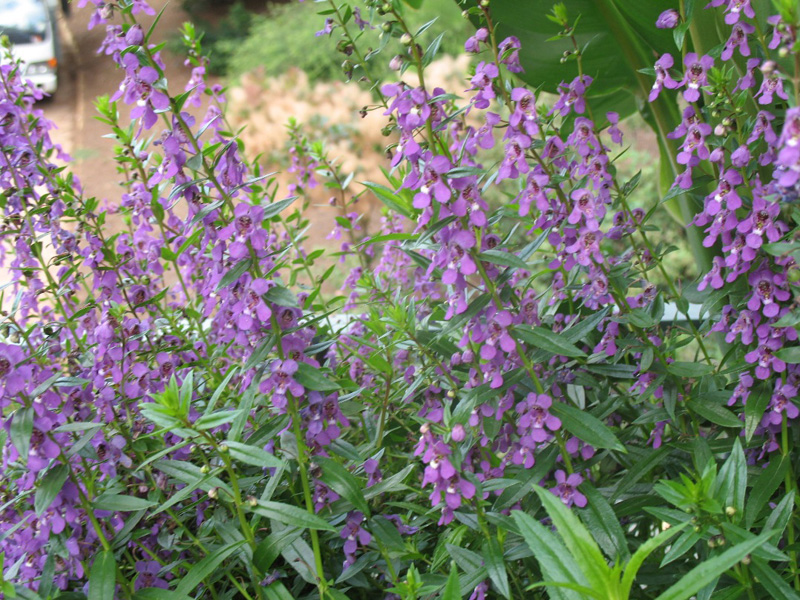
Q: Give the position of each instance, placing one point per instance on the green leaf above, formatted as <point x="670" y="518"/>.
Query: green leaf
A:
<point x="275" y="208"/>
<point x="312" y="378"/>
<point x="121" y="503"/>
<point x="754" y="409"/>
<point x="103" y="577"/>
<point x="278" y="591"/>
<point x="578" y="541"/>
<point x="689" y="369"/>
<point x="394" y="201"/>
<point x="281" y="296"/>
<point x="639" y="469"/>
<point x="271" y="547"/>
<point x="732" y="480"/>
<point x="505" y="259"/>
<point x="543" y="338"/>
<point x="215" y="419"/>
<point x="152" y="593"/>
<point x="496" y="567"/>
<point x="709" y="570"/>
<point x="234" y="273"/>
<point x="253" y="455"/>
<point x="452" y="589"/>
<point x="775" y="585"/>
<point x="586" y="427"/>
<point x="21" y="430"/>
<point x="49" y="487"/>
<point x="604" y="525"/>
<point x="344" y="483"/>
<point x="206" y="567"/>
<point x="789" y="355"/>
<point x="641" y="554"/>
<point x="764" y="486"/>
<point x="291" y="515"/>
<point x="713" y="412"/>
<point x="555" y="562"/>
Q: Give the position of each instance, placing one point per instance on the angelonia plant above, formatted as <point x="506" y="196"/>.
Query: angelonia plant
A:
<point x="508" y="397"/>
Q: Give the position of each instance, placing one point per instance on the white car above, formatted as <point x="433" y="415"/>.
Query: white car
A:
<point x="30" y="27"/>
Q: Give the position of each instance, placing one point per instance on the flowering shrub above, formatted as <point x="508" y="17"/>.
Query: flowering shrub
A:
<point x="495" y="406"/>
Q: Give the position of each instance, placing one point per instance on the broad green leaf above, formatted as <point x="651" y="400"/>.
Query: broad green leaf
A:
<point x="554" y="560"/>
<point x="452" y="589"/>
<point x="754" y="409"/>
<point x="291" y="515"/>
<point x="541" y="337"/>
<point x="578" y="541"/>
<point x="640" y="468"/>
<point x="206" y="567"/>
<point x="215" y="419"/>
<point x="103" y="577"/>
<point x="709" y="570"/>
<point x="586" y="427"/>
<point x="277" y="591"/>
<point x="681" y="546"/>
<point x="764" y="486"/>
<point x="604" y="525"/>
<point x="21" y="430"/>
<point x="152" y="593"/>
<point x="253" y="455"/>
<point x="120" y="502"/>
<point x="641" y="554"/>
<point x="269" y="549"/>
<point x="49" y="487"/>
<point x="789" y="355"/>
<point x="713" y="412"/>
<point x="505" y="259"/>
<point x="496" y="567"/>
<point x="779" y="517"/>
<point x="234" y="273"/>
<point x="689" y="369"/>
<point x="775" y="585"/>
<point x="312" y="378"/>
<point x="732" y="480"/>
<point x="281" y="296"/>
<point x="344" y="483"/>
<point x="275" y="208"/>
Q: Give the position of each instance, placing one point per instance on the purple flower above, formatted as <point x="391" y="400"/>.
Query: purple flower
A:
<point x="572" y="96"/>
<point x="327" y="29"/>
<point x="771" y="86"/>
<point x="473" y="44"/>
<point x="663" y="78"/>
<point x="696" y="75"/>
<point x="524" y="115"/>
<point x="668" y="19"/>
<point x="780" y="403"/>
<point x="353" y="535"/>
<point x="768" y="289"/>
<point x="483" y="81"/>
<point x="734" y="9"/>
<point x="508" y="50"/>
<point x="567" y="489"/>
<point x="738" y="39"/>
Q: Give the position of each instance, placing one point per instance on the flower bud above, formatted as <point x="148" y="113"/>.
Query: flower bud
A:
<point x="213" y="493"/>
<point x="223" y="448"/>
<point x="746" y="560"/>
<point x="484" y="3"/>
<point x="396" y="63"/>
<point x="730" y="511"/>
<point x="668" y="19"/>
<point x="387" y="26"/>
<point x="720" y="130"/>
<point x="783" y="52"/>
<point x="406" y="39"/>
<point x="252" y="500"/>
<point x="458" y="434"/>
<point x="204" y="469"/>
<point x="768" y="67"/>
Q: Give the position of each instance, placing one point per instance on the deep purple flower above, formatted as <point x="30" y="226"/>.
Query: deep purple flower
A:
<point x="663" y="78"/>
<point x="771" y="86"/>
<point x="572" y="96"/>
<point x="508" y="50"/>
<point x="473" y="44"/>
<point x="738" y="39"/>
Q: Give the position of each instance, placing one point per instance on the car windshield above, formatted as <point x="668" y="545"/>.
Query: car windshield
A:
<point x="23" y="21"/>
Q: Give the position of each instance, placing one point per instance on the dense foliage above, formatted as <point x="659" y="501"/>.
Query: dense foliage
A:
<point x="499" y="404"/>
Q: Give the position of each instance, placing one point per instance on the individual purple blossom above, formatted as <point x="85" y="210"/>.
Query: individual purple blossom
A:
<point x="738" y="39"/>
<point x="483" y="81"/>
<point x="763" y="220"/>
<point x="572" y="96"/>
<point x="768" y="290"/>
<point x="524" y="115"/>
<point x="508" y="50"/>
<point x="780" y="404"/>
<point x="433" y="182"/>
<point x="788" y="162"/>
<point x="13" y="373"/>
<point x="514" y="161"/>
<point x="566" y="489"/>
<point x="586" y="247"/>
<point x="327" y="29"/>
<point x="725" y="194"/>
<point x="765" y="360"/>
<point x="613" y="129"/>
<point x="359" y="20"/>
<point x="663" y="78"/>
<point x="694" y="146"/>
<point x="354" y="535"/>
<point x="148" y="575"/>
<point x="457" y="257"/>
<point x="668" y="19"/>
<point x="771" y="86"/>
<point x="473" y="43"/>
<point x="696" y="75"/>
<point x="749" y="79"/>
<point x="734" y="9"/>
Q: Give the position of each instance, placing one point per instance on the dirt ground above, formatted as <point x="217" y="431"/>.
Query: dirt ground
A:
<point x="84" y="75"/>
